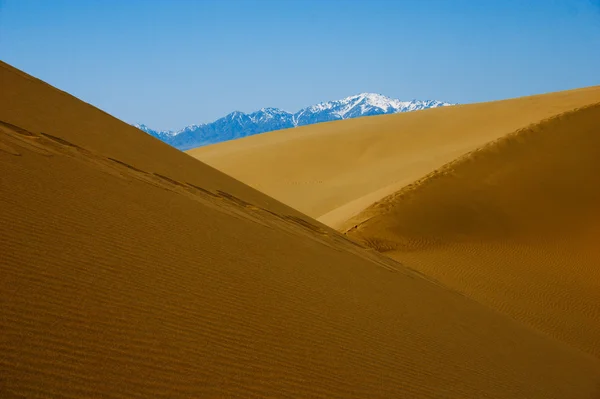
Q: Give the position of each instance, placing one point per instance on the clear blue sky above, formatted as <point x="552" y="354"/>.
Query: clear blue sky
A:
<point x="170" y="63"/>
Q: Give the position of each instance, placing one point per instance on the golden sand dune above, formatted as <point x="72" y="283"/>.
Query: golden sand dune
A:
<point x="332" y="171"/>
<point x="130" y="270"/>
<point x="514" y="225"/>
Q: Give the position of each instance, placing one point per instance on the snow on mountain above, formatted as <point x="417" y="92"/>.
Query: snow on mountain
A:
<point x="364" y="104"/>
<point x="164" y="135"/>
<point x="238" y="124"/>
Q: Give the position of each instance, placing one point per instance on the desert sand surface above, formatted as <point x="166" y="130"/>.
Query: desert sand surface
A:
<point x="332" y="171"/>
<point x="507" y="191"/>
<point x="514" y="225"/>
<point x="131" y="270"/>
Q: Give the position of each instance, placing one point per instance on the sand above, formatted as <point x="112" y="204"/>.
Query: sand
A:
<point x="497" y="200"/>
<point x="514" y="225"/>
<point x="131" y="270"/>
<point x="332" y="171"/>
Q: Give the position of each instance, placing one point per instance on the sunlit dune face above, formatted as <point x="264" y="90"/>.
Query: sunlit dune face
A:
<point x="514" y="225"/>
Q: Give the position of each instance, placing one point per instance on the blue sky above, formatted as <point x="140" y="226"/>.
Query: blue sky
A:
<point x="172" y="63"/>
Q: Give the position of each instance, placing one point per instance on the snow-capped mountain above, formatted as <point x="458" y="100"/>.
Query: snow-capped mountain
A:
<point x="238" y="124"/>
<point x="364" y="104"/>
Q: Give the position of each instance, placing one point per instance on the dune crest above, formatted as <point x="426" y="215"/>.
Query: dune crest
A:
<point x="513" y="224"/>
<point x="333" y="171"/>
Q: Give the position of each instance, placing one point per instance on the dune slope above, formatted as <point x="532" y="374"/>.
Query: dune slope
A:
<point x="332" y="171"/>
<point x="514" y="225"/>
<point x="130" y="270"/>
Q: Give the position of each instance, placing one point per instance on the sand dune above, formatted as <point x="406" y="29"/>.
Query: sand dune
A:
<point x="131" y="270"/>
<point x="332" y="171"/>
<point x="514" y="225"/>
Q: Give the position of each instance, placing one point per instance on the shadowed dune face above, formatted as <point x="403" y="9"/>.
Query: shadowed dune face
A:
<point x="332" y="171"/>
<point x="130" y="270"/>
<point x="514" y="225"/>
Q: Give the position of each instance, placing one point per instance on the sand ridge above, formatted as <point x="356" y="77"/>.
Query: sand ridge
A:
<point x="513" y="225"/>
<point x="130" y="270"/>
<point x="332" y="171"/>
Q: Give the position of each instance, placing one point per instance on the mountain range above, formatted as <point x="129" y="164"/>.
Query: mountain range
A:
<point x="238" y="124"/>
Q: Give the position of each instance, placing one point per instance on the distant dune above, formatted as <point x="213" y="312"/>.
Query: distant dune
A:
<point x="332" y="171"/>
<point x="514" y="225"/>
<point x="498" y="200"/>
<point x="131" y="270"/>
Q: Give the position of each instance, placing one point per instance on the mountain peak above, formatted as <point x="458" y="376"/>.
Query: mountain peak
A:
<point x="189" y="128"/>
<point x="271" y="110"/>
<point x="239" y="124"/>
<point x="373" y="96"/>
<point x="141" y="126"/>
